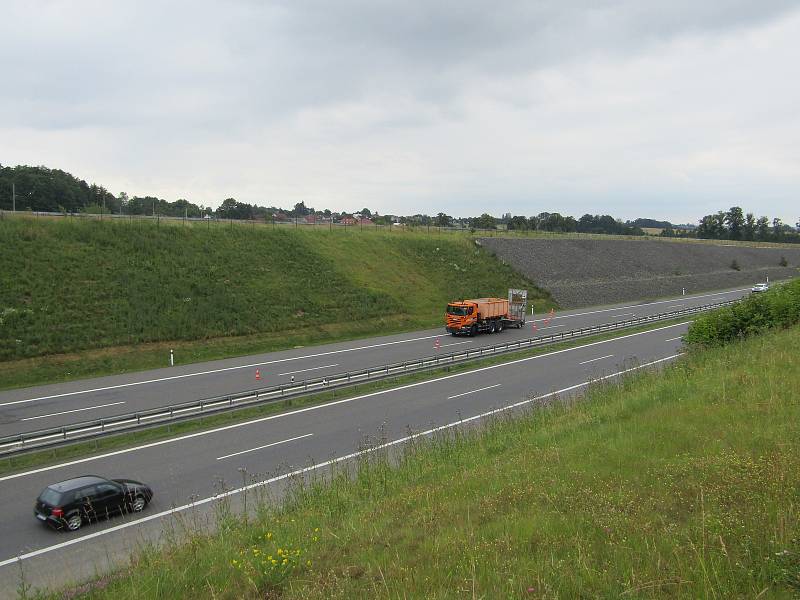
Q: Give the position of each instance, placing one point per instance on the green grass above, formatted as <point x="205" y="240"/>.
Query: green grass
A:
<point x="84" y="298"/>
<point x="681" y="484"/>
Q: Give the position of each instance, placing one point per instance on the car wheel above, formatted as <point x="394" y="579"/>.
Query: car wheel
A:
<point x="499" y="326"/>
<point x="473" y="331"/>
<point x="74" y="522"/>
<point x="492" y="327"/>
<point x="138" y="504"/>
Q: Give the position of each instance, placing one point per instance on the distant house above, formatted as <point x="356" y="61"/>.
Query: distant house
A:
<point x="311" y="219"/>
<point x="281" y="216"/>
<point x="347" y="220"/>
<point x="365" y="221"/>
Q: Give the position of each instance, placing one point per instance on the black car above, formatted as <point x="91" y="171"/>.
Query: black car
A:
<point x="71" y="503"/>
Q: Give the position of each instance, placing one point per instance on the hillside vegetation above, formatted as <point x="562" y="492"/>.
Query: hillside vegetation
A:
<point x="779" y="307"/>
<point x="680" y="484"/>
<point x="71" y="286"/>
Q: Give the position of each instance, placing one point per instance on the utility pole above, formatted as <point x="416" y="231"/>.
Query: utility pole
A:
<point x="13" y="198"/>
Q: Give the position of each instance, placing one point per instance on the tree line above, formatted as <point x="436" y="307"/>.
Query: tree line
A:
<point x="734" y="224"/>
<point x="53" y="190"/>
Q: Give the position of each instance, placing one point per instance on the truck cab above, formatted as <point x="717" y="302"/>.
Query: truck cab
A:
<point x="461" y="317"/>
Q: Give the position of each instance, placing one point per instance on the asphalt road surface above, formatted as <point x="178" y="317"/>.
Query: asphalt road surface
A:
<point x="55" y="405"/>
<point x="186" y="472"/>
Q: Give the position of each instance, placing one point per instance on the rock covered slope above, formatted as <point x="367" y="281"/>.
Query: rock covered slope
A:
<point x="580" y="272"/>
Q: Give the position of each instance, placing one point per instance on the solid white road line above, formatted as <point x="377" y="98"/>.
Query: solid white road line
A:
<point x="475" y="391"/>
<point x="304" y="370"/>
<point x="595" y="359"/>
<point x="456" y="343"/>
<point x="592" y="312"/>
<point x="327" y="404"/>
<point x="680" y="337"/>
<point x="178" y="509"/>
<point x="551" y="326"/>
<point x="173" y="377"/>
<point x="64" y="412"/>
<point x="622" y="315"/>
<point x="299" y="437"/>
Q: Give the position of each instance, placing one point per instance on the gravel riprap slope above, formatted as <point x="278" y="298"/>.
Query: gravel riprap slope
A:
<point x="587" y="272"/>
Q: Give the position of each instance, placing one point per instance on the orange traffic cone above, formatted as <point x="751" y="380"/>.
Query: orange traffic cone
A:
<point x="258" y="375"/>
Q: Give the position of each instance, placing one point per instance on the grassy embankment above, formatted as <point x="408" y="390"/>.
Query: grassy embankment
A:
<point x="88" y="298"/>
<point x="681" y="484"/>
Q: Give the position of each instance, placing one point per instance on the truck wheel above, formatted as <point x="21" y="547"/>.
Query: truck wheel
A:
<point x="499" y="326"/>
<point x="473" y="331"/>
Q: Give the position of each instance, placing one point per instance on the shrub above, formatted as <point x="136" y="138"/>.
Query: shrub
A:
<point x="779" y="307"/>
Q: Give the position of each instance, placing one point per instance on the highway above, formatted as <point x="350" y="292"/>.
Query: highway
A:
<point x="55" y="405"/>
<point x="186" y="472"/>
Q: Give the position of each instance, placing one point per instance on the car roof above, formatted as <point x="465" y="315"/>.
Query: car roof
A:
<point x="77" y="482"/>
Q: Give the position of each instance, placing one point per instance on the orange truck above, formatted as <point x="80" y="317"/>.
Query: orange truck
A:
<point x="492" y="315"/>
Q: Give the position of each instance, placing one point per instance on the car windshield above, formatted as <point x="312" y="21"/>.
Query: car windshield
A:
<point x="50" y="496"/>
<point x="457" y="310"/>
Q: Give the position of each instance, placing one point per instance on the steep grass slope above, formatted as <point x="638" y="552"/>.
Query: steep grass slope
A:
<point x="72" y="286"/>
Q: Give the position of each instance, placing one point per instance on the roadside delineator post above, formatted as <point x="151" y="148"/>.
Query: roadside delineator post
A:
<point x="171" y="358"/>
<point x="258" y="375"/>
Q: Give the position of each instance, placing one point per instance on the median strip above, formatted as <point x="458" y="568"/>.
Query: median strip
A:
<point x="327" y="404"/>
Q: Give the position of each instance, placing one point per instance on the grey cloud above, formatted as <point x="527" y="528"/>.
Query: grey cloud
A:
<point x="336" y="86"/>
<point x="106" y="64"/>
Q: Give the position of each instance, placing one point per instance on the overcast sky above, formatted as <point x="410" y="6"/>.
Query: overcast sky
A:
<point x="669" y="109"/>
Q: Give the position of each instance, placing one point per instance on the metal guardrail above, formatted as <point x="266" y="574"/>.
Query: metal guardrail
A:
<point x="84" y="430"/>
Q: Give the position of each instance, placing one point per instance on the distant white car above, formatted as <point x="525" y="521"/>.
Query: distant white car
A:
<point x="760" y="287"/>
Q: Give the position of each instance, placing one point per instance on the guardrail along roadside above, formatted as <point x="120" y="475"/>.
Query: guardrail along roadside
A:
<point x="85" y="430"/>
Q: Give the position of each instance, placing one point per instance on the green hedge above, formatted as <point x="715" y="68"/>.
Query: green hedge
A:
<point x="779" y="307"/>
